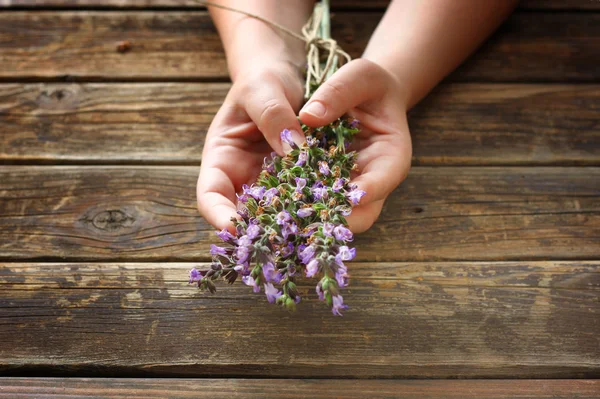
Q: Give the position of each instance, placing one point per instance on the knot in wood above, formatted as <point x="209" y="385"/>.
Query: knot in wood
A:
<point x="112" y="220"/>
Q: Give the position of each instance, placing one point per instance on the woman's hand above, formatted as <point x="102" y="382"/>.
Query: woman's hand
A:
<point x="372" y="95"/>
<point x="262" y="102"/>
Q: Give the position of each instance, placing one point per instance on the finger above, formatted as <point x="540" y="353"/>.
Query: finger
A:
<point x="272" y="113"/>
<point x="383" y="165"/>
<point x="363" y="216"/>
<point x="357" y="82"/>
<point x="216" y="198"/>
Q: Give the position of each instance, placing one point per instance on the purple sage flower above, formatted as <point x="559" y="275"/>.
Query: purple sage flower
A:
<point x="286" y="137"/>
<point x="304" y="212"/>
<point x="328" y="229"/>
<point x="346" y="253"/>
<point x="271" y="274"/>
<point x="302" y="157"/>
<point x="283" y="217"/>
<point x="226" y="236"/>
<point x="312" y="268"/>
<point x="342" y="233"/>
<point x="307" y="254"/>
<point x="251" y="282"/>
<point x="272" y="292"/>
<point x="355" y="195"/>
<point x="256" y="192"/>
<point x="300" y="184"/>
<point x="338" y="304"/>
<point x="216" y="250"/>
<point x="269" y="195"/>
<point x="253" y="231"/>
<point x="195" y="275"/>
<point x="319" y="191"/>
<point x="354" y="123"/>
<point x="287" y="250"/>
<point x="324" y="168"/>
<point x="338" y="184"/>
<point x="320" y="293"/>
<point x="288" y="229"/>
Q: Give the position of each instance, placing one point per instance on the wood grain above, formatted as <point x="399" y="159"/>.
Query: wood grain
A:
<point x="159" y="123"/>
<point x="438" y="213"/>
<point x="556" y="47"/>
<point x="447" y="320"/>
<point x="335" y="4"/>
<point x="288" y="388"/>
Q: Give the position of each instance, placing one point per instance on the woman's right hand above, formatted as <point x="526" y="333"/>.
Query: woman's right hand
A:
<point x="263" y="101"/>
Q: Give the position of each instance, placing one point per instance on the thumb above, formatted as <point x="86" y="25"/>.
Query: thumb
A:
<point x="357" y="82"/>
<point x="272" y="113"/>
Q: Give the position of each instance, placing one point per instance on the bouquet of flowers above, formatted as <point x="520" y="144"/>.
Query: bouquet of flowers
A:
<point x="292" y="220"/>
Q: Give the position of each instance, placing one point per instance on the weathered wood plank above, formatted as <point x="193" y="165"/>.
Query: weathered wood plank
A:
<point x="511" y="320"/>
<point x="459" y="124"/>
<point x="335" y="4"/>
<point x="285" y="388"/>
<point x="184" y="45"/>
<point x="440" y="213"/>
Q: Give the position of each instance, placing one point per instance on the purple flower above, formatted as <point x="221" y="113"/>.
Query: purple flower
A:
<point x="319" y="290"/>
<point x="343" y="234"/>
<point x="338" y="304"/>
<point x="286" y="137"/>
<point x="244" y="249"/>
<point x="342" y="279"/>
<point x="312" y="268"/>
<point x="324" y="168"/>
<point x="269" y="194"/>
<point x="346" y="253"/>
<point x="225" y="235"/>
<point x="251" y="282"/>
<point x="319" y="191"/>
<point x="269" y="165"/>
<point x="328" y="229"/>
<point x="283" y="217"/>
<point x="253" y="231"/>
<point x="195" y="275"/>
<point x="216" y="250"/>
<point x="300" y="184"/>
<point x="287" y="250"/>
<point x="311" y="141"/>
<point x="288" y="229"/>
<point x="270" y="273"/>
<point x="307" y="254"/>
<point x="338" y="184"/>
<point x="354" y="123"/>
<point x="355" y="195"/>
<point x="302" y="157"/>
<point x="272" y="292"/>
<point x="304" y="212"/>
<point x="256" y="192"/>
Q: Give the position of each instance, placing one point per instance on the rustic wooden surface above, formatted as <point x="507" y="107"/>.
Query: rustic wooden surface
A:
<point x="476" y="319"/>
<point x="149" y="213"/>
<point x="458" y="124"/>
<point x="485" y="262"/>
<point x="166" y="45"/>
<point x="276" y="388"/>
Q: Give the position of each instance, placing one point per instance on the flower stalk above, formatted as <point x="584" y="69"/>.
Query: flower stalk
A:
<point x="292" y="221"/>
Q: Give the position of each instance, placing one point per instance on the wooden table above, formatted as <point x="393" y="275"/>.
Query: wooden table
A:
<point x="484" y="265"/>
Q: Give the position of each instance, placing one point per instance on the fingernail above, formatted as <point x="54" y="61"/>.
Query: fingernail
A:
<point x="315" y="108"/>
<point x="297" y="138"/>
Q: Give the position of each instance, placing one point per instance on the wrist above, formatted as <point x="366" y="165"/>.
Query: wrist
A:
<point x="400" y="86"/>
<point x="255" y="45"/>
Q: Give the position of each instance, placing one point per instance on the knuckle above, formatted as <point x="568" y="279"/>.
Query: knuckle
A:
<point x="272" y="111"/>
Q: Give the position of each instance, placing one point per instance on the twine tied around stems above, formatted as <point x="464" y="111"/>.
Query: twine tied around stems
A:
<point x="316" y="45"/>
